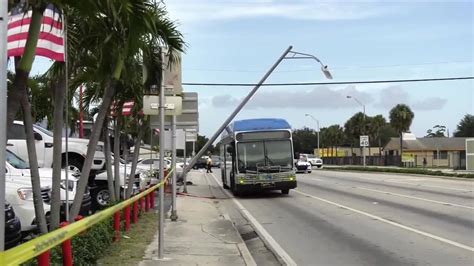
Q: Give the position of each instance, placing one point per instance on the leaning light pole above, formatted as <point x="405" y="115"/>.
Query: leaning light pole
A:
<point x="288" y="54"/>
<point x="3" y="113"/>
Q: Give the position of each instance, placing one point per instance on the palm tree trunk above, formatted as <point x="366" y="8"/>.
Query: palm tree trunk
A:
<point x="136" y="154"/>
<point x="94" y="138"/>
<point x="108" y="160"/>
<point x="33" y="160"/>
<point x="15" y="94"/>
<point x="59" y="96"/>
<point x="118" y="125"/>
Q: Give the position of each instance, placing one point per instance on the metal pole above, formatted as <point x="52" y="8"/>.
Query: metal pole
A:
<point x="66" y="163"/>
<point x="3" y="113"/>
<point x="162" y="157"/>
<point x="236" y="111"/>
<point x="363" y="128"/>
<point x="319" y="156"/>
<point x="81" y="113"/>
<point x="174" y="215"/>
<point x="151" y="147"/>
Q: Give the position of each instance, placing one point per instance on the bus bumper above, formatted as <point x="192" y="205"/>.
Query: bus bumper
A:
<point x="266" y="186"/>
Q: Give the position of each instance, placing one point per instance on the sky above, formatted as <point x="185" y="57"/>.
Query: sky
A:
<point x="236" y="41"/>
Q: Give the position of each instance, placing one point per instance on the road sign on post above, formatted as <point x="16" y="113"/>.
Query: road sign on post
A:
<point x="364" y="141"/>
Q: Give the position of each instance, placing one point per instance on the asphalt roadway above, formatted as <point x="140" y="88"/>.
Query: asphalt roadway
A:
<point x="347" y="218"/>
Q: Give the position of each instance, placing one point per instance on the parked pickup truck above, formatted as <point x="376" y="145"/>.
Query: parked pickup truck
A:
<point x="19" y="191"/>
<point x="77" y="148"/>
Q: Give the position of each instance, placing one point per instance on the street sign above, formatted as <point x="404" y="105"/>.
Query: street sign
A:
<point x="173" y="105"/>
<point x="189" y="117"/>
<point x="364" y="141"/>
<point x="191" y="135"/>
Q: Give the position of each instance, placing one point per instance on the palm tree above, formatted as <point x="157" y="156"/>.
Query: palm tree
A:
<point x="116" y="31"/>
<point x="401" y="118"/>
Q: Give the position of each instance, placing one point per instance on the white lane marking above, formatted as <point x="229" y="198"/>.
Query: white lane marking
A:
<point x="417" y="198"/>
<point x="441" y="239"/>
<point x="266" y="237"/>
<point x="421" y="185"/>
<point x="402" y="181"/>
<point x="402" y="195"/>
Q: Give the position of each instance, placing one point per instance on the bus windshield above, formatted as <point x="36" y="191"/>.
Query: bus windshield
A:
<point x="257" y="155"/>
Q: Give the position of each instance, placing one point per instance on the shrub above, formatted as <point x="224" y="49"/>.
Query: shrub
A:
<point x="87" y="247"/>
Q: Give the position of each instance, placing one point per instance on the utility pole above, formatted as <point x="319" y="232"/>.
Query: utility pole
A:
<point x="3" y="113"/>
<point x="161" y="231"/>
<point x="174" y="215"/>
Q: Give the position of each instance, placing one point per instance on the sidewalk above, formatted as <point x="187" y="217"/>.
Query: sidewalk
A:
<point x="202" y="235"/>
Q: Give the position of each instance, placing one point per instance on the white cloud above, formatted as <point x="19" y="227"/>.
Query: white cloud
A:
<point x="319" y="98"/>
<point x="394" y="95"/>
<point x="323" y="97"/>
<point x="211" y="10"/>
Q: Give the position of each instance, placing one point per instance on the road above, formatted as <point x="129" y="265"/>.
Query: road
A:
<point x="346" y="218"/>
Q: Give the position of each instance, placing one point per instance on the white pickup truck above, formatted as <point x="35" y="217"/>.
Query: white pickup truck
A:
<point x="77" y="148"/>
<point x="19" y="193"/>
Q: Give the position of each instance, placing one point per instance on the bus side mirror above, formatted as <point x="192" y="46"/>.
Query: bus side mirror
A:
<point x="230" y="150"/>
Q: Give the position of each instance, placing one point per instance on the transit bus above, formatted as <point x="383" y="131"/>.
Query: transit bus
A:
<point x="256" y="155"/>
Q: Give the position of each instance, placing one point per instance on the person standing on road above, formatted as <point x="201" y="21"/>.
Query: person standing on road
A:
<point x="209" y="165"/>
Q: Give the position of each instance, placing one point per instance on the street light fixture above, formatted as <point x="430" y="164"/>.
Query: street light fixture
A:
<point x="298" y="55"/>
<point x="363" y="125"/>
<point x="317" y="131"/>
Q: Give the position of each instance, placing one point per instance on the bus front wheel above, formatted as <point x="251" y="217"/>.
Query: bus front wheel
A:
<point x="233" y="188"/>
<point x="285" y="191"/>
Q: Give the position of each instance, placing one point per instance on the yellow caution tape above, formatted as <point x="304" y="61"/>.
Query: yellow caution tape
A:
<point x="39" y="245"/>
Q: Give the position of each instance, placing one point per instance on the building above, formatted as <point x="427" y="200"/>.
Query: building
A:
<point x="429" y="152"/>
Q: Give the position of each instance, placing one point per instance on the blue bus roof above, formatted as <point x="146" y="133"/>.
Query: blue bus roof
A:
<point x="256" y="124"/>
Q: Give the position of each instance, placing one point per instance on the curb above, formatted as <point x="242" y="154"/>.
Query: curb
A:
<point x="243" y="249"/>
<point x="267" y="239"/>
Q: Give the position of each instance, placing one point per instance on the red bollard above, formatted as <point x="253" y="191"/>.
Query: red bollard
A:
<point x="43" y="259"/>
<point x="142" y="204"/>
<point x="152" y="199"/>
<point x="66" y="248"/>
<point x="135" y="212"/>
<point x="126" y="213"/>
<point x="117" y="226"/>
<point x="147" y="202"/>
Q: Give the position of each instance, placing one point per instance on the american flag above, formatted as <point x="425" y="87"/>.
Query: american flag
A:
<point x="51" y="36"/>
<point x="126" y="108"/>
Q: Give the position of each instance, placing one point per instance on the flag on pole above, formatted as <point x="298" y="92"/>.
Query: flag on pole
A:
<point x="126" y="108"/>
<point x="51" y="36"/>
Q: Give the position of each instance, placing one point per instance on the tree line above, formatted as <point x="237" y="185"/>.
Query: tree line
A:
<point x="378" y="128"/>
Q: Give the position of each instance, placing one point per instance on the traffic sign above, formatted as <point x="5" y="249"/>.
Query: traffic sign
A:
<point x="364" y="141"/>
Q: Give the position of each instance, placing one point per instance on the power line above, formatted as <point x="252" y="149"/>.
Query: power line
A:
<point x="332" y="67"/>
<point x="328" y="83"/>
